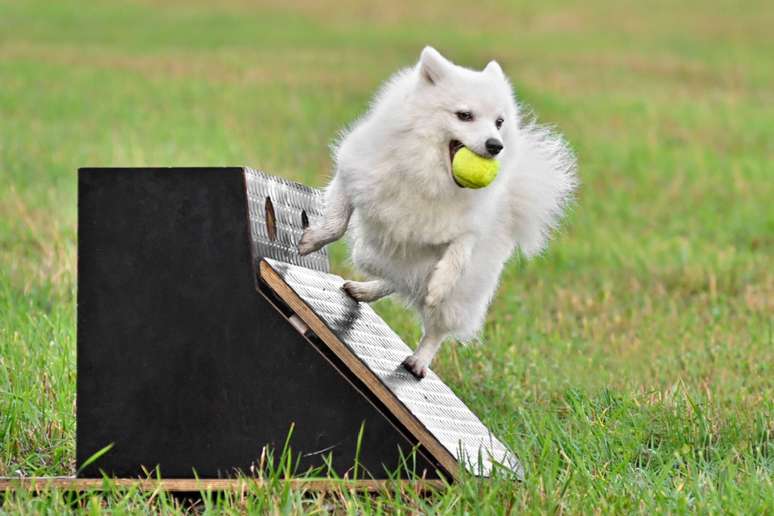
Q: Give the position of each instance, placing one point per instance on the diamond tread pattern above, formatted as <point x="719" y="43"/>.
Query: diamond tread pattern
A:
<point x="289" y="200"/>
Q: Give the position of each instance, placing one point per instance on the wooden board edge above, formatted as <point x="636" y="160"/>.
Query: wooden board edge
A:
<point x="299" y="306"/>
<point x="192" y="485"/>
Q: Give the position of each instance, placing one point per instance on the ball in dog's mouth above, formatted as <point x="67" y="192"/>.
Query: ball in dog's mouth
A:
<point x="471" y="170"/>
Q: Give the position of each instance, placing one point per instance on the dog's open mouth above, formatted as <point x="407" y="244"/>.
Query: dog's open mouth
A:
<point x="454" y="146"/>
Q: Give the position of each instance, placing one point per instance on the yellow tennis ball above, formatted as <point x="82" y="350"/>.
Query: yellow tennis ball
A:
<point x="472" y="171"/>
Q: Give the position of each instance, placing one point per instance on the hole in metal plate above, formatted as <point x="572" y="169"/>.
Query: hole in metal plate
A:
<point x="271" y="220"/>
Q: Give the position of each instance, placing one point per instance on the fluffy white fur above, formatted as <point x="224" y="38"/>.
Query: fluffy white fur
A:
<point x="413" y="229"/>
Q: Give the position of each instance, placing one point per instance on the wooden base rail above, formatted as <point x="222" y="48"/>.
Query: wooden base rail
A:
<point x="192" y="485"/>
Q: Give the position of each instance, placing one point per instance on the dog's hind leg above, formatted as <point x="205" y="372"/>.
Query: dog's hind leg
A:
<point x="338" y="210"/>
<point x="418" y="363"/>
<point x="367" y="291"/>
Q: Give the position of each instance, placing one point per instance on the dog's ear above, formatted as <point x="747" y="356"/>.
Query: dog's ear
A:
<point x="493" y="68"/>
<point x="432" y="65"/>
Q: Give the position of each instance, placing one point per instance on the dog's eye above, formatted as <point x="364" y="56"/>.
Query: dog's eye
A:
<point x="465" y="116"/>
<point x="499" y="122"/>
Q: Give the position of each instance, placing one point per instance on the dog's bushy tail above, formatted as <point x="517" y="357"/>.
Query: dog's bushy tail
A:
<point x="547" y="181"/>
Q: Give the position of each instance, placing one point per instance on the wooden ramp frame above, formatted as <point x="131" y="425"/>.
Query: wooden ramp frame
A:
<point x="374" y="352"/>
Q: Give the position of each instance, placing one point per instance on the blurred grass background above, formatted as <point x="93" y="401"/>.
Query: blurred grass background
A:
<point x="631" y="366"/>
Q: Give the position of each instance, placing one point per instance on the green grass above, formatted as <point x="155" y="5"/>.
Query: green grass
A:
<point x="631" y="367"/>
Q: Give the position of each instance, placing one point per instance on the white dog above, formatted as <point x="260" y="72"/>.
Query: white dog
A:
<point x="413" y="228"/>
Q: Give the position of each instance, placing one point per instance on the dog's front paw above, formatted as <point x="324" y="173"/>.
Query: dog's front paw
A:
<point x="415" y="366"/>
<point x="358" y="291"/>
<point x="310" y="242"/>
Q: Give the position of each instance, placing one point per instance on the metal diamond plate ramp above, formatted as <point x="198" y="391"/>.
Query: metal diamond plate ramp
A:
<point x="374" y="352"/>
<point x="292" y="205"/>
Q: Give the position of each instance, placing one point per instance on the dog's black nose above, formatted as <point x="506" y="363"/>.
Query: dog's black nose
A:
<point x="493" y="146"/>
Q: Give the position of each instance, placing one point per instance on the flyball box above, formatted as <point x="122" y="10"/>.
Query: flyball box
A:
<point x="203" y="338"/>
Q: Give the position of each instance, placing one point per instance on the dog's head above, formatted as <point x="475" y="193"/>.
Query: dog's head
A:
<point x="462" y="107"/>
